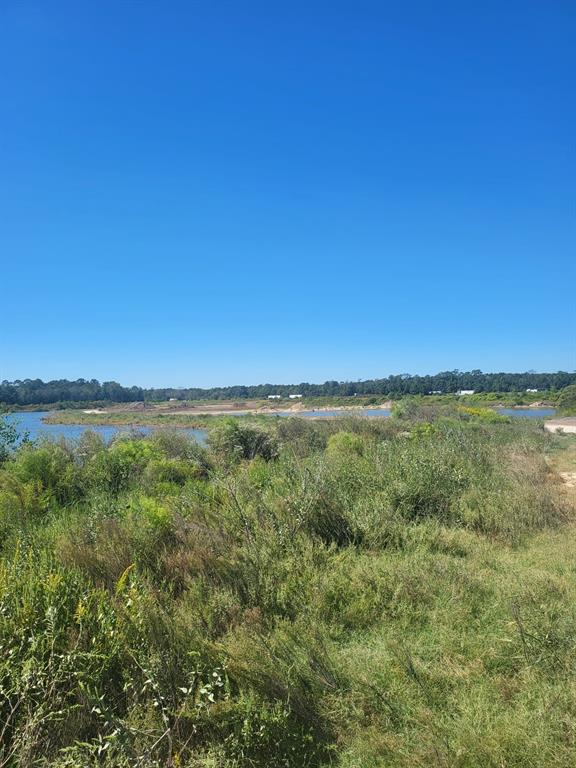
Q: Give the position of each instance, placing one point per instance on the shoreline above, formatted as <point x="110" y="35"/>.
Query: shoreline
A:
<point x="563" y="424"/>
<point x="184" y="419"/>
<point x="200" y="416"/>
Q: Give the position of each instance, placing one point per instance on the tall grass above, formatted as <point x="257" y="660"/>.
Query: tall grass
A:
<point x="346" y="592"/>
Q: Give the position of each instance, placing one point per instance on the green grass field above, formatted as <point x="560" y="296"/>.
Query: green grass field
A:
<point x="349" y="592"/>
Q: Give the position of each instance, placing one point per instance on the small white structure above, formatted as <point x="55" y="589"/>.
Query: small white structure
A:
<point x="294" y="397"/>
<point x="172" y="399"/>
<point x="274" y="397"/>
<point x="465" y="392"/>
<point x="531" y="390"/>
<point x="435" y="392"/>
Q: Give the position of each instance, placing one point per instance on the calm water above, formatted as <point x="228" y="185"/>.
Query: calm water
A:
<point x="528" y="413"/>
<point x="359" y="412"/>
<point x="33" y="424"/>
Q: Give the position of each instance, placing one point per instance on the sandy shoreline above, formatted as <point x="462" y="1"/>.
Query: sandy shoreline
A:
<point x="260" y="411"/>
<point x="566" y="425"/>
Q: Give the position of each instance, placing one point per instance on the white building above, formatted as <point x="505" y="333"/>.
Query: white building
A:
<point x="531" y="390"/>
<point x="294" y="397"/>
<point x="465" y="392"/>
<point x="274" y="397"/>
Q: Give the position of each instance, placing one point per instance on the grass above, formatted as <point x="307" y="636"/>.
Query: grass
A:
<point x="346" y="592"/>
<point x="131" y="418"/>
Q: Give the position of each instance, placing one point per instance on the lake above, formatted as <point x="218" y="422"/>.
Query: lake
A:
<point x="31" y="422"/>
<point x="528" y="413"/>
<point x="382" y="412"/>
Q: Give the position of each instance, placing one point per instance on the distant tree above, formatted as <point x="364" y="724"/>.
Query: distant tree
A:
<point x="35" y="391"/>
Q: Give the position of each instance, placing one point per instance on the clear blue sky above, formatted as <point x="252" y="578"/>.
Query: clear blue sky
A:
<point x="203" y="193"/>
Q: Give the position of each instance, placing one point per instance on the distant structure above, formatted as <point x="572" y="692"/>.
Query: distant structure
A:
<point x="465" y="392"/>
<point x="531" y="390"/>
<point x="172" y="399"/>
<point x="274" y="397"/>
<point x="435" y="392"/>
<point x="294" y="397"/>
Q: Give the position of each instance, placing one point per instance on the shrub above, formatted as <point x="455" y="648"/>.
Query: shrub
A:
<point x="40" y="478"/>
<point x="121" y="465"/>
<point x="425" y="479"/>
<point x="567" y="400"/>
<point x="8" y="438"/>
<point x="487" y="415"/>
<point x="235" y="440"/>
<point x="162" y="475"/>
<point x="176" y="444"/>
<point x="301" y="436"/>
<point x="345" y="443"/>
<point x="89" y="444"/>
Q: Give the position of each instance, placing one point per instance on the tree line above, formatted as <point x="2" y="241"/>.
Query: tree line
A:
<point x="35" y="391"/>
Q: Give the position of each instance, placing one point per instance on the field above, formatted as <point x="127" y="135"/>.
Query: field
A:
<point x="344" y="592"/>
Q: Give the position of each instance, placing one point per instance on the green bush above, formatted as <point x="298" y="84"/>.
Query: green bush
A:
<point x="345" y="443"/>
<point x="88" y="445"/>
<point x="121" y="466"/>
<point x="486" y="415"/>
<point x="36" y="481"/>
<point x="425" y="480"/>
<point x="8" y="438"/>
<point x="235" y="440"/>
<point x="567" y="401"/>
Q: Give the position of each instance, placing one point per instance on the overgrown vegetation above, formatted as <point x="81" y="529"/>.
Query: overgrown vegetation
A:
<point x="345" y="592"/>
<point x="567" y="401"/>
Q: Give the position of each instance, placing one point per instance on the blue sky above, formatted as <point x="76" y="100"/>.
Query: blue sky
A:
<point x="204" y="193"/>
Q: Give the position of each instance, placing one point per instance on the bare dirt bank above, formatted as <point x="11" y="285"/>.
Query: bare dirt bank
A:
<point x="566" y="424"/>
<point x="233" y="409"/>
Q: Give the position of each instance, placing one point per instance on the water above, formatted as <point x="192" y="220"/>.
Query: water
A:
<point x="528" y="413"/>
<point x="373" y="412"/>
<point x="31" y="422"/>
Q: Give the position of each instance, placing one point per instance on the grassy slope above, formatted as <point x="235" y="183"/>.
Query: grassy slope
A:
<point x="366" y="599"/>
